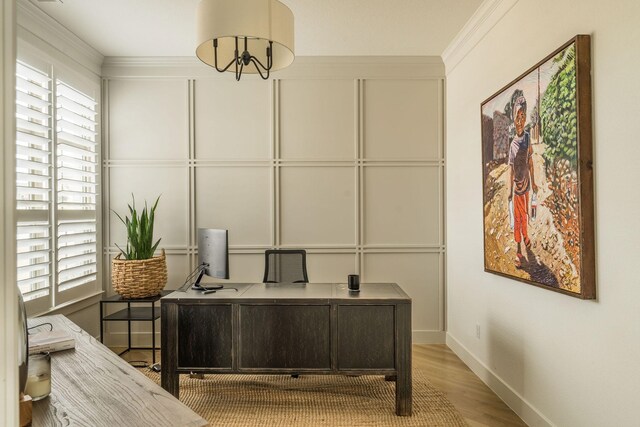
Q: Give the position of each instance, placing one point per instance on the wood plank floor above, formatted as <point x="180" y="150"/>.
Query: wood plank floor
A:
<point x="476" y="402"/>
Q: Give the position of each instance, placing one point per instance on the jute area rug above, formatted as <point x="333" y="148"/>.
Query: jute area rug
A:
<point x="311" y="400"/>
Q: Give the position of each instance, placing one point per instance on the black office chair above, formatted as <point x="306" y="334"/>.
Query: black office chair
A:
<point x="285" y="266"/>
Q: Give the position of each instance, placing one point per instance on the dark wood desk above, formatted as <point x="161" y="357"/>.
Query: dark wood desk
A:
<point x="92" y="386"/>
<point x="290" y="329"/>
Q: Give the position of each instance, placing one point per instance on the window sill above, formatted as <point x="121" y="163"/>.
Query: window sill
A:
<point x="74" y="305"/>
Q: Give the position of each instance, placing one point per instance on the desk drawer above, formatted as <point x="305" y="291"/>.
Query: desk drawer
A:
<point x="204" y="336"/>
<point x="366" y="338"/>
<point x="285" y="336"/>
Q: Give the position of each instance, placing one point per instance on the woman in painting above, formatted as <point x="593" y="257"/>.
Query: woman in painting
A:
<point x="521" y="175"/>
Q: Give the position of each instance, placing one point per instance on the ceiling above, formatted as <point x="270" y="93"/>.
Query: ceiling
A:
<point x="322" y="27"/>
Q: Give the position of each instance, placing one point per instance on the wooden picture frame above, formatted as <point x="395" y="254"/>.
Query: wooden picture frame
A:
<point x="537" y="175"/>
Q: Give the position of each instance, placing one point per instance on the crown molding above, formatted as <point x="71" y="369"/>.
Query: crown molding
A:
<point x="33" y="20"/>
<point x="151" y="61"/>
<point x="481" y="22"/>
<point x="190" y="61"/>
<point x="309" y="66"/>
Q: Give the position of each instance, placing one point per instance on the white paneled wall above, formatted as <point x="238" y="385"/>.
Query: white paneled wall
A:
<point x="341" y="158"/>
<point x="232" y="121"/>
<point x="317" y="119"/>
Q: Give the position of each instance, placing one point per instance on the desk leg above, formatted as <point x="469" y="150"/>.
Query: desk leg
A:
<point x="153" y="333"/>
<point x="403" y="353"/>
<point x="101" y="323"/>
<point x="129" y="326"/>
<point x="169" y="378"/>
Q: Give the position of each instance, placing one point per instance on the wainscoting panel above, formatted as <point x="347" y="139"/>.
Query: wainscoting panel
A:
<point x="411" y="269"/>
<point x="342" y="157"/>
<point x="148" y="120"/>
<point x="330" y="267"/>
<point x="177" y="268"/>
<point x="401" y="205"/>
<point x="317" y="119"/>
<point x="401" y="119"/>
<point x="244" y="267"/>
<point x="236" y="198"/>
<point x="220" y="132"/>
<point x="147" y="182"/>
<point x="317" y="206"/>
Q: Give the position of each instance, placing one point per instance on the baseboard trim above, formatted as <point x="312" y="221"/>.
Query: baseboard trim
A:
<point x="428" y="337"/>
<point x="512" y="398"/>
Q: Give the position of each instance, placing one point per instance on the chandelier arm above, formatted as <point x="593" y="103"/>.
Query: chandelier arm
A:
<point x="269" y="58"/>
<point x="256" y="61"/>
<point x="215" y="57"/>
<point x="237" y="53"/>
<point x="227" y="67"/>
<point x="236" y="61"/>
<point x="264" y="77"/>
<point x="239" y="74"/>
<point x="215" y="53"/>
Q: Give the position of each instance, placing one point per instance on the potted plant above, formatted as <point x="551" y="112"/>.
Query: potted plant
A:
<point x="135" y="272"/>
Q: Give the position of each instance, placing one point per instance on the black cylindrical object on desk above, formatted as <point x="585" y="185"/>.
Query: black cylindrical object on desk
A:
<point x="353" y="282"/>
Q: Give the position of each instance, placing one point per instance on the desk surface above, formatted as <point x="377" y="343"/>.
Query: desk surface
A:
<point x="92" y="386"/>
<point x="296" y="291"/>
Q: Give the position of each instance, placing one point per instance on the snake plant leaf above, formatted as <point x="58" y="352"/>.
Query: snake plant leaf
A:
<point x="139" y="230"/>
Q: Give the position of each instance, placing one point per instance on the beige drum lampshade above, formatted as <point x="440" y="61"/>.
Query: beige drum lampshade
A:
<point x="260" y="21"/>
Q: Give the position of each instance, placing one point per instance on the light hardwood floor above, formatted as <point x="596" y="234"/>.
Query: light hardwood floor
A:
<point x="476" y="402"/>
<point x="478" y="405"/>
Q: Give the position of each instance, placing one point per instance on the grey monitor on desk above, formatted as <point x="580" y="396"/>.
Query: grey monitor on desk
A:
<point x="213" y="258"/>
<point x="213" y="252"/>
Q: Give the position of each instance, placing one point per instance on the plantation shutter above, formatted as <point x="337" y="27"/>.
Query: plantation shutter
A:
<point x="33" y="183"/>
<point x="76" y="181"/>
<point x="57" y="185"/>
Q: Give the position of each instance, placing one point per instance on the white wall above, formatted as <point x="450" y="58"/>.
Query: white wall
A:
<point x="556" y="360"/>
<point x="8" y="289"/>
<point x="341" y="157"/>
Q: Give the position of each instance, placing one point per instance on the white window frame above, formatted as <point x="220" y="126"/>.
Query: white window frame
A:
<point x="86" y="82"/>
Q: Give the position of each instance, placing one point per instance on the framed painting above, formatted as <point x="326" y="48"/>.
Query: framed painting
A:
<point x="538" y="175"/>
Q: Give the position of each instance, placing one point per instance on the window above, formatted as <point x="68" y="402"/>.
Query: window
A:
<point x="57" y="175"/>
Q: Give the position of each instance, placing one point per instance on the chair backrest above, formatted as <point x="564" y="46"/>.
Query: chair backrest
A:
<point x="285" y="266"/>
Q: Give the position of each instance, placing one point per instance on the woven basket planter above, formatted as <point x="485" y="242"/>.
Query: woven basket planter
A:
<point x="139" y="278"/>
